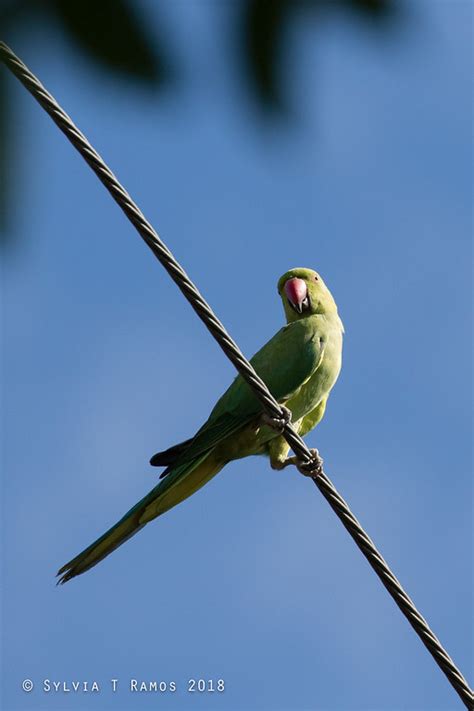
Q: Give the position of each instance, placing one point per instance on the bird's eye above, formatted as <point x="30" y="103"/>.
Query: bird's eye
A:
<point x="316" y="278"/>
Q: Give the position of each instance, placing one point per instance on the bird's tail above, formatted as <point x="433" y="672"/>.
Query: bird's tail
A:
<point x="177" y="486"/>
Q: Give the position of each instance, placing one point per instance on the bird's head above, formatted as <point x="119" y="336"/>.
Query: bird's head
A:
<point x="304" y="293"/>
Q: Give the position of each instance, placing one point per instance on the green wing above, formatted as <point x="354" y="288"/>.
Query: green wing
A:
<point x="285" y="363"/>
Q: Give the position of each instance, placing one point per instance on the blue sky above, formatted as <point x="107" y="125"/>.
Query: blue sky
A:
<point x="253" y="580"/>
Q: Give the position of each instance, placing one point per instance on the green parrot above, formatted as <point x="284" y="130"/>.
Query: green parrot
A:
<point x="300" y="365"/>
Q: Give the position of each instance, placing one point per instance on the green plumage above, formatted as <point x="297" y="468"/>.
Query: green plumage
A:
<point x="300" y="365"/>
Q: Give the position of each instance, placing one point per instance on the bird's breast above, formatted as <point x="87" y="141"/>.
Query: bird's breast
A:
<point x="320" y="383"/>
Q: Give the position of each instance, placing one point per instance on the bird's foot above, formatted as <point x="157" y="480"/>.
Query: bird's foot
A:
<point x="278" y="423"/>
<point x="312" y="467"/>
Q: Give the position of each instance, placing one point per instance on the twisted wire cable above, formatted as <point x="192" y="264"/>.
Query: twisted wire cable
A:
<point x="232" y="351"/>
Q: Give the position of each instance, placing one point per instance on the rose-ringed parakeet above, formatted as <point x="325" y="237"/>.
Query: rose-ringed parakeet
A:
<point x="300" y="365"/>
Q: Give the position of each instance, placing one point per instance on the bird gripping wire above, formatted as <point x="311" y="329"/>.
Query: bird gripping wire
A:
<point x="230" y="348"/>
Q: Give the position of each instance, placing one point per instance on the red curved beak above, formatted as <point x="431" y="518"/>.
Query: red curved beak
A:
<point x="297" y="293"/>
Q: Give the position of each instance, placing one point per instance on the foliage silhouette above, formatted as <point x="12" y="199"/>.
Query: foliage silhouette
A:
<point x="116" y="38"/>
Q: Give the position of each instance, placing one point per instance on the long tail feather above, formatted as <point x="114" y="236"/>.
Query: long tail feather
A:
<point x="178" y="485"/>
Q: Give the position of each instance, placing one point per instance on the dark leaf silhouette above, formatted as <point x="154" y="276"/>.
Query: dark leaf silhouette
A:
<point x="112" y="32"/>
<point x="263" y="25"/>
<point x="262" y="34"/>
<point x="373" y="9"/>
<point x="114" y="35"/>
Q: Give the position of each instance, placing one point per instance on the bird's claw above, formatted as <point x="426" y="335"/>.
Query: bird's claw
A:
<point x="312" y="467"/>
<point x="278" y="423"/>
